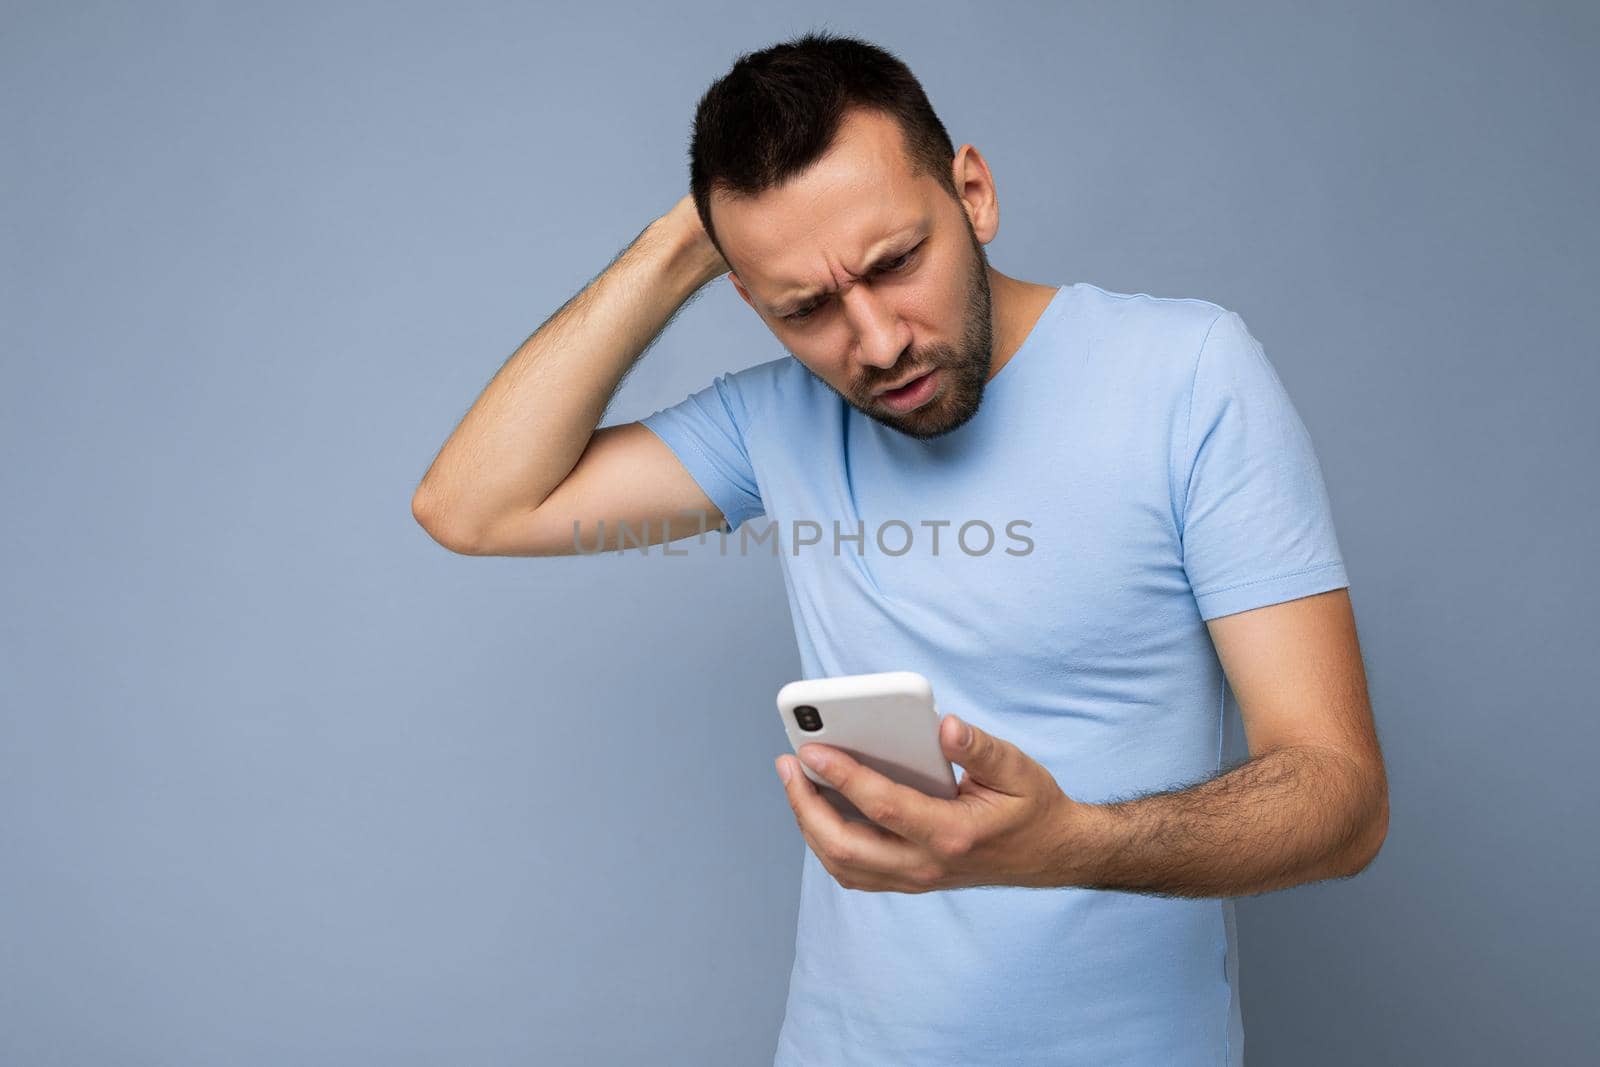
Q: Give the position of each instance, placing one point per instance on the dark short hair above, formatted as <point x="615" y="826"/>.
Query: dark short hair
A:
<point x="777" y="111"/>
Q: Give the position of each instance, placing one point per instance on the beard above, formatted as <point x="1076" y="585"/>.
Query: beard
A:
<point x="964" y="369"/>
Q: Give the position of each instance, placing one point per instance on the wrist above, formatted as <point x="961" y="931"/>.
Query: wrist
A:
<point x="1087" y="836"/>
<point x="690" y="253"/>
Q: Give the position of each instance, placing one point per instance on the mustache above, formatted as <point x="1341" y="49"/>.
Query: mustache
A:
<point x="903" y="374"/>
<point x="931" y="359"/>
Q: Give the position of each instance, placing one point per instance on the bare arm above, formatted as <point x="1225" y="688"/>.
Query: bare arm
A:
<point x="1311" y="803"/>
<point x="533" y="432"/>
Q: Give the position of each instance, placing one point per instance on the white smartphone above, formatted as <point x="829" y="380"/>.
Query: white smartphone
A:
<point x="887" y="721"/>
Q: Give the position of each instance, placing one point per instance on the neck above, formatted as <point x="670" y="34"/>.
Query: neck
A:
<point x="1015" y="305"/>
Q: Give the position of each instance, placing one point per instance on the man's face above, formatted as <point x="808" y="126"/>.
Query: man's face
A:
<point x="870" y="276"/>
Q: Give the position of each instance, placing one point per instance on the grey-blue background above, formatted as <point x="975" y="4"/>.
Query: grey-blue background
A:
<point x="283" y="781"/>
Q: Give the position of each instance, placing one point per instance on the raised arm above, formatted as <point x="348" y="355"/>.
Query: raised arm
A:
<point x="527" y="461"/>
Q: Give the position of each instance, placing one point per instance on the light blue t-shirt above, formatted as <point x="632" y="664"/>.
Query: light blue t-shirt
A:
<point x="1140" y="469"/>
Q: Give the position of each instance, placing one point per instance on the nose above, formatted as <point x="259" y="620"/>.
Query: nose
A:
<point x="881" y="336"/>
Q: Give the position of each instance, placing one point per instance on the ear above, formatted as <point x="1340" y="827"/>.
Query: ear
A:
<point x="979" y="199"/>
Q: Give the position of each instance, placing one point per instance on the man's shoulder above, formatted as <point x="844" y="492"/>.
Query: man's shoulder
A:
<point x="1144" y="312"/>
<point x="785" y="382"/>
<point x="773" y="373"/>
<point x="1153" y="338"/>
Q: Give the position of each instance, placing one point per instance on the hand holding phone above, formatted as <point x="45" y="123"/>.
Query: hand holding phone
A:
<point x="886" y="721"/>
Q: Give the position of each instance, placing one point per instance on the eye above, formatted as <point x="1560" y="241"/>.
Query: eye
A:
<point x="900" y="262"/>
<point x="897" y="264"/>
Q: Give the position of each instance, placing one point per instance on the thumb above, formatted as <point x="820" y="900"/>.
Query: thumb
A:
<point x="985" y="757"/>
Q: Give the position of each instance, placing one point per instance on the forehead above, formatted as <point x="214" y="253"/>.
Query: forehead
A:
<point x="858" y="200"/>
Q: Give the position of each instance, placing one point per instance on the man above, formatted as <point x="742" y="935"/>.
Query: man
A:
<point x="1070" y="906"/>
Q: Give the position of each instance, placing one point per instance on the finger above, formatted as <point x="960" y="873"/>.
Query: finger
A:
<point x="841" y="842"/>
<point x="987" y="759"/>
<point x="908" y="813"/>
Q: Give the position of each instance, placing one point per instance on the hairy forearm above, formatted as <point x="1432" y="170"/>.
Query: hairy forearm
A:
<point x="1295" y="814"/>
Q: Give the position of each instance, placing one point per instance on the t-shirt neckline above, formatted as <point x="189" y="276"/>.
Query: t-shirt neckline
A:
<point x="1029" y="341"/>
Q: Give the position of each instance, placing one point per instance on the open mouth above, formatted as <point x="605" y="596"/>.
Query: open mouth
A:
<point x="912" y="394"/>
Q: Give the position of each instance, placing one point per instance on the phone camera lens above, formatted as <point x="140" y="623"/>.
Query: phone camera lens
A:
<point x="808" y="718"/>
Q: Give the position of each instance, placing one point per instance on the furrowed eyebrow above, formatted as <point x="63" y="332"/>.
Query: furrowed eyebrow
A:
<point x="899" y="248"/>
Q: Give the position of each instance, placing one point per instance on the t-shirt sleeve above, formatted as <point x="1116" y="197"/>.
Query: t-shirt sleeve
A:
<point x="1256" y="524"/>
<point x="707" y="432"/>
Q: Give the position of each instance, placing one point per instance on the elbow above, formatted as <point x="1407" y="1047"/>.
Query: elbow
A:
<point x="430" y="516"/>
<point x="1374" y="832"/>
